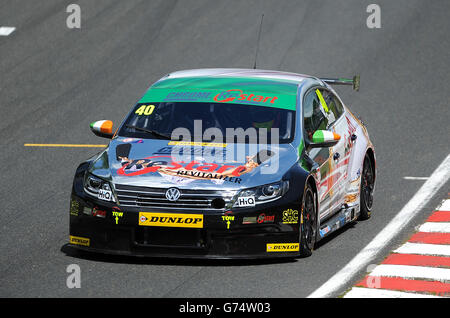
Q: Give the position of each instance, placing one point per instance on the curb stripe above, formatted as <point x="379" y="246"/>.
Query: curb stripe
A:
<point x="413" y="269"/>
<point x="439" y="216"/>
<point x="401" y="284"/>
<point x="360" y="292"/>
<point x="442" y="227"/>
<point x="338" y="281"/>
<point x="417" y="260"/>
<point x="445" y="206"/>
<point x="406" y="271"/>
<point x="430" y="238"/>
<point x="424" y="249"/>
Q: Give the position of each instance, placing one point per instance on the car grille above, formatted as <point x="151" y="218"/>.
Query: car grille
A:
<point x="145" y="197"/>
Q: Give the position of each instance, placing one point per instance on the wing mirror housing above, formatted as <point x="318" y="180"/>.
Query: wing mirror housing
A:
<point x="324" y="139"/>
<point x="102" y="128"/>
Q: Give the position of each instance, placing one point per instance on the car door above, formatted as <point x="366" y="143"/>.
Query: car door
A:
<point x="340" y="153"/>
<point x="314" y="118"/>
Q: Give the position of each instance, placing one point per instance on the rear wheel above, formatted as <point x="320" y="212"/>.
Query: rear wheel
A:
<point x="366" y="189"/>
<point x="308" y="222"/>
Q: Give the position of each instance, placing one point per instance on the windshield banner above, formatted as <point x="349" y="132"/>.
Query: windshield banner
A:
<point x="234" y="96"/>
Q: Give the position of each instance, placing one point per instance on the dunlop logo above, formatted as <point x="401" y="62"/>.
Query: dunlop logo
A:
<point x="171" y="220"/>
<point x="283" y="247"/>
<point x="76" y="240"/>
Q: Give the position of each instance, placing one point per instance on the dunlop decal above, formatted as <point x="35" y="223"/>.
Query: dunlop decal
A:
<point x="171" y="220"/>
<point x="283" y="247"/>
<point x="76" y="240"/>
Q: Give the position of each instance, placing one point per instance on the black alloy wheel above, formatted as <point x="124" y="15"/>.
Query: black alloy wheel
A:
<point x="308" y="222"/>
<point x="366" y="189"/>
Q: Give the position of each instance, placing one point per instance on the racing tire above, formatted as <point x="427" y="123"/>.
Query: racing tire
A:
<point x="366" y="189"/>
<point x="308" y="222"/>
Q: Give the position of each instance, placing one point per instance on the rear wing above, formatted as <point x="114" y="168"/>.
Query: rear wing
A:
<point x="343" y="81"/>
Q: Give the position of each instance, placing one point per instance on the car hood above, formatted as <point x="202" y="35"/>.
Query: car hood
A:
<point x="189" y="165"/>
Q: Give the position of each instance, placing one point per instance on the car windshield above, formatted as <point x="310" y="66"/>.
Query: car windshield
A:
<point x="216" y="122"/>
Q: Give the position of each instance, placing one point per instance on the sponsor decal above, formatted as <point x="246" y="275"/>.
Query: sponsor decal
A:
<point x="192" y="151"/>
<point x="132" y="140"/>
<point x="290" y="216"/>
<point x="208" y="89"/>
<point x="342" y="221"/>
<point x="283" y="247"/>
<point x="324" y="231"/>
<point x="204" y="175"/>
<point x="348" y="216"/>
<point x="249" y="220"/>
<point x="245" y="201"/>
<point x="237" y="95"/>
<point x="197" y="143"/>
<point x="76" y="240"/>
<point x="187" y="96"/>
<point x="99" y="213"/>
<point x="170" y="220"/>
<point x="74" y="207"/>
<point x="87" y="210"/>
<point x="350" y="198"/>
<point x="263" y="218"/>
<point x="228" y="218"/>
<point x="348" y="139"/>
<point x="193" y="169"/>
<point x="105" y="195"/>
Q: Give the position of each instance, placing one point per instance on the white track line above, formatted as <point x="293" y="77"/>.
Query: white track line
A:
<point x="418" y="272"/>
<point x="437" y="179"/>
<point x="415" y="178"/>
<point x="5" y="31"/>
<point x="424" y="249"/>
<point x="360" y="292"/>
<point x="441" y="227"/>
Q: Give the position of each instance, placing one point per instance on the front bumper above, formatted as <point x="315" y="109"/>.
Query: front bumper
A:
<point x="265" y="231"/>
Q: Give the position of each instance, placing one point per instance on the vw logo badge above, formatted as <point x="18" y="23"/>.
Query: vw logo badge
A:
<point x="173" y="194"/>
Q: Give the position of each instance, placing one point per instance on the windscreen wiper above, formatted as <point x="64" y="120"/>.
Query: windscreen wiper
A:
<point x="153" y="132"/>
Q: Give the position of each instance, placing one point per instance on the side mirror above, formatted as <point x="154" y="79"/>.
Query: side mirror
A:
<point x="324" y="139"/>
<point x="102" y="128"/>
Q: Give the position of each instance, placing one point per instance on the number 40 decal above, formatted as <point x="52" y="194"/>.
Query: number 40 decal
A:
<point x="145" y="110"/>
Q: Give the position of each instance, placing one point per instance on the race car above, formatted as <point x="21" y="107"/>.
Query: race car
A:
<point x="225" y="163"/>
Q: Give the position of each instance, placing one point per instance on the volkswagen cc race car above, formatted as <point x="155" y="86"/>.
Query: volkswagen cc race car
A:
<point x="225" y="163"/>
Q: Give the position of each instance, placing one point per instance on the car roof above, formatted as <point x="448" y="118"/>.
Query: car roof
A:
<point x="262" y="81"/>
<point x="269" y="75"/>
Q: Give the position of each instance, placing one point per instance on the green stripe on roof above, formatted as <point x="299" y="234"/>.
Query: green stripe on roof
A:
<point x="261" y="92"/>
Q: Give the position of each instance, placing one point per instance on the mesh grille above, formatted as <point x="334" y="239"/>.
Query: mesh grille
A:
<point x="146" y="197"/>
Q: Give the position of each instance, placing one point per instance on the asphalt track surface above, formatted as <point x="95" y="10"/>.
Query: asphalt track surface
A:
<point x="54" y="81"/>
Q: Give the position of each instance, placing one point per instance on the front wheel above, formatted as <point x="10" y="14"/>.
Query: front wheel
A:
<point x="308" y="222"/>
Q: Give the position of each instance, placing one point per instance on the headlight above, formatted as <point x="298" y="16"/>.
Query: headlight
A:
<point x="98" y="188"/>
<point x="265" y="193"/>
